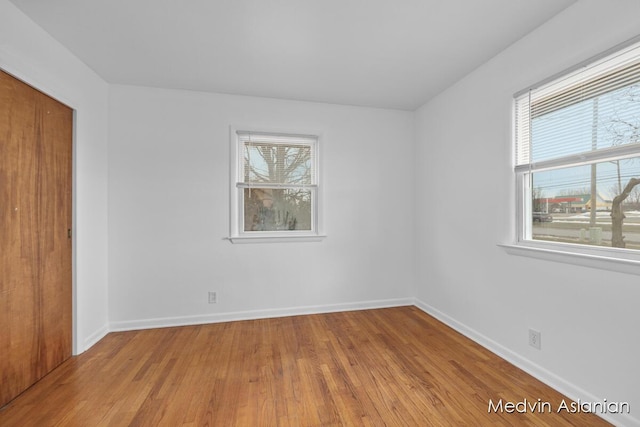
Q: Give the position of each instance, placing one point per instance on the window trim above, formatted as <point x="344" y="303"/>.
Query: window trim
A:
<point x="236" y="212"/>
<point x="566" y="253"/>
<point x="589" y="61"/>
<point x="600" y="257"/>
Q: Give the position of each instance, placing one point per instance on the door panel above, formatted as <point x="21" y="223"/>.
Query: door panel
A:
<point x="35" y="248"/>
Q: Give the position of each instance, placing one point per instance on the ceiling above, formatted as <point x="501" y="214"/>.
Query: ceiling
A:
<point x="377" y="53"/>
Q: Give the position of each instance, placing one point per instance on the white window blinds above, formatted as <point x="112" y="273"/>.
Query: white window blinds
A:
<point x="587" y="116"/>
<point x="282" y="161"/>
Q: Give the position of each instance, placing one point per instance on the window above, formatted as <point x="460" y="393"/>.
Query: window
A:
<point x="275" y="187"/>
<point x="578" y="158"/>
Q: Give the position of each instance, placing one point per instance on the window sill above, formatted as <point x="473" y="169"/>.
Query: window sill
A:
<point x="612" y="259"/>
<point x="275" y="239"/>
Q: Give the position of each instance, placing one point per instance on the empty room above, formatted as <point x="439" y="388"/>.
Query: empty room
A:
<point x="319" y="213"/>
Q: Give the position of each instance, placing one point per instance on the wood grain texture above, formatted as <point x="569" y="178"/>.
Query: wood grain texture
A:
<point x="35" y="251"/>
<point x="387" y="367"/>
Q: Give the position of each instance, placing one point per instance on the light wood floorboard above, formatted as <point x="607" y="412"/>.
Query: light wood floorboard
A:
<point x="386" y="367"/>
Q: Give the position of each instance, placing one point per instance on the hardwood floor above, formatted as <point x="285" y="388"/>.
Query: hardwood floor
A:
<point x="385" y="367"/>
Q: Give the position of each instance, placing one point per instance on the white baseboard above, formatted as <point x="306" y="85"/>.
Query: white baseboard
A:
<point x="94" y="338"/>
<point x="130" y="325"/>
<point x="554" y="381"/>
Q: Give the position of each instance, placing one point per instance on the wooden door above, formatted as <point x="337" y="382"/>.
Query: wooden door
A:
<point x="35" y="243"/>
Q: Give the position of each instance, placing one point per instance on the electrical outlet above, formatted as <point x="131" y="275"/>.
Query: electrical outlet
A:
<point x="534" y="338"/>
<point x="213" y="298"/>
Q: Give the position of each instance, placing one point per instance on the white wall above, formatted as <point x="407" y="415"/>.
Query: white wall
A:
<point x="169" y="211"/>
<point x="31" y="55"/>
<point x="589" y="318"/>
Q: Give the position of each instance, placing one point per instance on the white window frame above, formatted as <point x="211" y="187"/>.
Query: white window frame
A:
<point x="237" y="234"/>
<point x="614" y="259"/>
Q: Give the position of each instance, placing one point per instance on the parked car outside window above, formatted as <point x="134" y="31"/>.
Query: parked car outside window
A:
<point x="541" y="217"/>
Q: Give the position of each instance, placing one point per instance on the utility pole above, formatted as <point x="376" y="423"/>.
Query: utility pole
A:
<point x="594" y="146"/>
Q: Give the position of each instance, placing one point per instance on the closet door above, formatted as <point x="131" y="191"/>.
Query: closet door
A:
<point x="35" y="235"/>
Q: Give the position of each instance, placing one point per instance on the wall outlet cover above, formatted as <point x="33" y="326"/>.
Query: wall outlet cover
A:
<point x="534" y="339"/>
